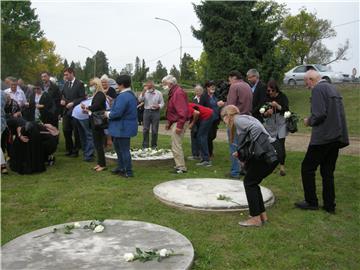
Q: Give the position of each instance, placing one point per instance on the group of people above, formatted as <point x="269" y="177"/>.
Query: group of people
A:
<point x="248" y="124"/>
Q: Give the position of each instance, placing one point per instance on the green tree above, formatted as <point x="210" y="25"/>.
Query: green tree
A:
<point x="140" y="70"/>
<point x="66" y="64"/>
<point x="89" y="68"/>
<point x="175" y="72"/>
<point x="20" y="33"/>
<point x="45" y="60"/>
<point x="303" y="35"/>
<point x="160" y="72"/>
<point x="241" y="35"/>
<point x="187" y="73"/>
<point x="201" y="67"/>
<point x="102" y="64"/>
<point x="79" y="72"/>
<point x="113" y="73"/>
<point x="72" y="65"/>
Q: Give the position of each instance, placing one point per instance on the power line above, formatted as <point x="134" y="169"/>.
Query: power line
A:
<point x="346" y="23"/>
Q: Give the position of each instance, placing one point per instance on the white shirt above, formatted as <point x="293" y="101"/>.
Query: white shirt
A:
<point x="18" y="96"/>
<point x="78" y="113"/>
<point x="152" y="98"/>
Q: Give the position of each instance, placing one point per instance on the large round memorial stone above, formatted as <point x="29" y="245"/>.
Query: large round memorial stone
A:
<point x="85" y="249"/>
<point x="201" y="194"/>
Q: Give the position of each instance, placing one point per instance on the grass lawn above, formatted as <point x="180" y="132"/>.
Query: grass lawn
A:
<point x="294" y="239"/>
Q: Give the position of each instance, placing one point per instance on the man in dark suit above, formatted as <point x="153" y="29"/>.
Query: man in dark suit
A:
<point x="54" y="92"/>
<point x="259" y="92"/>
<point x="72" y="94"/>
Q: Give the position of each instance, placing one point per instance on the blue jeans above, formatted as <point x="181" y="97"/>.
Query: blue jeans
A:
<point x="235" y="164"/>
<point x="122" y="148"/>
<point x="86" y="138"/>
<point x="202" y="137"/>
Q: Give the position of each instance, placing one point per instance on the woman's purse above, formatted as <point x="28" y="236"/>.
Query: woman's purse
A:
<point x="99" y="120"/>
<point x="261" y="148"/>
<point x="291" y="123"/>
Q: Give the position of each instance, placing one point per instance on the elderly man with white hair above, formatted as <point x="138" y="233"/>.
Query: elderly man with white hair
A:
<point x="177" y="117"/>
<point x="329" y="133"/>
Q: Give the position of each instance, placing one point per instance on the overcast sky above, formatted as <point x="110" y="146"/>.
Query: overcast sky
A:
<point x="126" y="29"/>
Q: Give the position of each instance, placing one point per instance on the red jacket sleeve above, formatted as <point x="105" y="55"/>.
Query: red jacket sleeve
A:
<point x="181" y="108"/>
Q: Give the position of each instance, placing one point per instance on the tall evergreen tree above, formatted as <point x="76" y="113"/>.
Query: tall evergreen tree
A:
<point x="241" y="35"/>
<point x="140" y="70"/>
<point x="187" y="72"/>
<point x="66" y="64"/>
<point x="175" y="72"/>
<point x="102" y="64"/>
<point x="160" y="72"/>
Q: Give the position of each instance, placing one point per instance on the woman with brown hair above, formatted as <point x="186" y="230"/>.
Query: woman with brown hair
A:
<point x="257" y="166"/>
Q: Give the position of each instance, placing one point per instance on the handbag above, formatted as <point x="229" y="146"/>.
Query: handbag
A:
<point x="261" y="148"/>
<point x="99" y="120"/>
<point x="291" y="123"/>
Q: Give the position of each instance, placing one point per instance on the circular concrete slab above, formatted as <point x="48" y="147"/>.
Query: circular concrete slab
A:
<point x="88" y="250"/>
<point x="201" y="194"/>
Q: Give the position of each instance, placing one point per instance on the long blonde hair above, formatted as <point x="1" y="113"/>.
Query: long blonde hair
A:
<point x="97" y="82"/>
<point x="230" y="111"/>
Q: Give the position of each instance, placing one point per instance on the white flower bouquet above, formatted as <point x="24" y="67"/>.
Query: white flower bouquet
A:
<point x="149" y="255"/>
<point x="145" y="154"/>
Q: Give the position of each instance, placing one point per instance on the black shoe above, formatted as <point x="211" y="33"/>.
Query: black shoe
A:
<point x="306" y="206"/>
<point x="125" y="175"/>
<point x="329" y="210"/>
<point x="74" y="154"/>
<point x="116" y="171"/>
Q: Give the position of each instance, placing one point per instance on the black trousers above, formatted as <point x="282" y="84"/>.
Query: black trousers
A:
<point x="99" y="138"/>
<point x="257" y="170"/>
<point x="70" y="129"/>
<point x="212" y="136"/>
<point x="325" y="156"/>
<point x="281" y="151"/>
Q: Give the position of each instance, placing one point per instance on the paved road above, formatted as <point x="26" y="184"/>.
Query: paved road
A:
<point x="294" y="142"/>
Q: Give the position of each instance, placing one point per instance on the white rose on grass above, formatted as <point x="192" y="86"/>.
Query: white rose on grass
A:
<point x="262" y="110"/>
<point x="77" y="225"/>
<point x="287" y="114"/>
<point x="99" y="229"/>
<point x="164" y="252"/>
<point x="129" y="257"/>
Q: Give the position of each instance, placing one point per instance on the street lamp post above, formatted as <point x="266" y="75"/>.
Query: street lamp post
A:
<point x="91" y="51"/>
<point x="165" y="20"/>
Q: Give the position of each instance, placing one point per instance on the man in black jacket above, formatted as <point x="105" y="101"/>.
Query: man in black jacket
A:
<point x="54" y="92"/>
<point x="259" y="92"/>
<point x="329" y="133"/>
<point x="72" y="94"/>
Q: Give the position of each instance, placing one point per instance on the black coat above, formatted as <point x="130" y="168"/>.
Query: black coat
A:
<point x="259" y="99"/>
<point x="75" y="94"/>
<point x="55" y="94"/>
<point x="47" y="114"/>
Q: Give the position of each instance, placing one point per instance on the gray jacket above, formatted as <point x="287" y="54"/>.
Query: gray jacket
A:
<point x="247" y="123"/>
<point x="327" y="117"/>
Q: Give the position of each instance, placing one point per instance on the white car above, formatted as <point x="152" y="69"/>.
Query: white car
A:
<point x="296" y="75"/>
